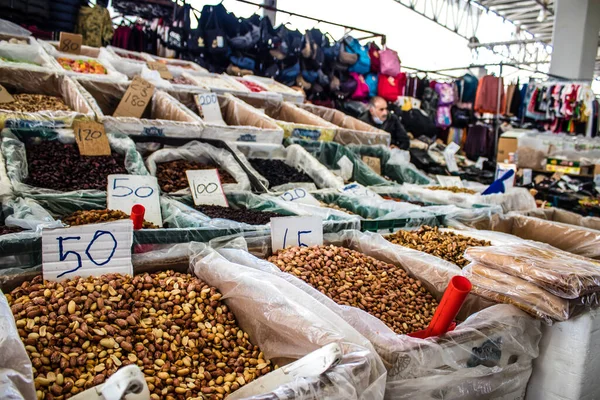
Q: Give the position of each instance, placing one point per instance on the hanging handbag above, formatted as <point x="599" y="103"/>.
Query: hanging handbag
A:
<point x="363" y="63"/>
<point x="362" y="89"/>
<point x="215" y="40"/>
<point x="390" y="63"/>
<point x="387" y="87"/>
<point x="346" y="57"/>
<point x="461" y="117"/>
<point x="371" y="80"/>
<point x="374" y="57"/>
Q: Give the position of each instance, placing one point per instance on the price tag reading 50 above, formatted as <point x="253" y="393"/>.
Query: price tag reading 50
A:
<point x="88" y="250"/>
<point x="303" y="231"/>
<point x="124" y="191"/>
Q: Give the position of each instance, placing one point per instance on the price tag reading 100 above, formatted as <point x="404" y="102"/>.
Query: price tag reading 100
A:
<point x="136" y="99"/>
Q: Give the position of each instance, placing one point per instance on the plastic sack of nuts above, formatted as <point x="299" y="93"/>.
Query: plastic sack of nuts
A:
<point x="490" y="354"/>
<point x="574" y="239"/>
<point x="293" y="156"/>
<point x="164" y="116"/>
<point x="57" y="93"/>
<point x="42" y="162"/>
<point x="515" y="199"/>
<point x="563" y="216"/>
<point x="201" y="153"/>
<point x="277" y="335"/>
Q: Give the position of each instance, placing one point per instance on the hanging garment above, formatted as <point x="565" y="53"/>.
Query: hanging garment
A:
<point x="121" y="37"/>
<point x="467" y="87"/>
<point x="510" y="93"/>
<point x="517" y="99"/>
<point x="95" y="26"/>
<point x="476" y="144"/>
<point x="486" y="100"/>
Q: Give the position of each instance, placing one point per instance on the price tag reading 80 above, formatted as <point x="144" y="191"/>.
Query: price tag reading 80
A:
<point x="89" y="250"/>
<point x="124" y="191"/>
<point x="70" y="43"/>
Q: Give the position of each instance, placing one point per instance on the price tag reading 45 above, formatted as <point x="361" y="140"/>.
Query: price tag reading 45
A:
<point x="88" y="250"/>
<point x="91" y="138"/>
<point x="296" y="231"/>
<point x="136" y="99"/>
<point x="300" y="195"/>
<point x="206" y="187"/>
<point x="124" y="191"/>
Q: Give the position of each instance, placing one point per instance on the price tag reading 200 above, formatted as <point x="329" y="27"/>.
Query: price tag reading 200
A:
<point x="88" y="250"/>
<point x="136" y="99"/>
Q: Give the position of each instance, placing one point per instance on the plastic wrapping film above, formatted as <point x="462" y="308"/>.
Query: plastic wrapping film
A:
<point x="287" y="93"/>
<point x="563" y="216"/>
<point x="282" y="321"/>
<point x="294" y="121"/>
<point x="294" y="156"/>
<point x="515" y="199"/>
<point x="329" y="154"/>
<point x="215" y="82"/>
<point x="112" y="75"/>
<point x="165" y="116"/>
<point x="31" y="57"/>
<point x="13" y="150"/>
<point x="203" y="153"/>
<point x="10" y="28"/>
<point x="17" y="80"/>
<point x="5" y="186"/>
<point x="176" y="64"/>
<point x="124" y="65"/>
<point x="560" y="273"/>
<point x="571" y="238"/>
<point x="16" y="377"/>
<point x="244" y="123"/>
<point x="487" y="356"/>
<point x="395" y="163"/>
<point x="350" y="130"/>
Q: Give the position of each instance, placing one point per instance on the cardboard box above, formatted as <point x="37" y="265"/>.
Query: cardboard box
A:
<point x="506" y="145"/>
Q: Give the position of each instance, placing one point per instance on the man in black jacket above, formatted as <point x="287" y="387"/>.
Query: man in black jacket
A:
<point x="378" y="116"/>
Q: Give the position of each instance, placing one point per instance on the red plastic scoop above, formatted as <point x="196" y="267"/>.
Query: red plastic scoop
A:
<point x="137" y="216"/>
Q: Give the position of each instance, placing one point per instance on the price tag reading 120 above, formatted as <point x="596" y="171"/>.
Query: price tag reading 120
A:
<point x="303" y="231"/>
<point x="136" y="99"/>
<point x="88" y="250"/>
<point x="124" y="191"/>
<point x="91" y="138"/>
<point x="206" y="187"/>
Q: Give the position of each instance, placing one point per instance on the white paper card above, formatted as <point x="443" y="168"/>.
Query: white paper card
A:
<point x="527" y="176"/>
<point x="480" y="161"/>
<point x="449" y="153"/>
<point x="206" y="187"/>
<point x="210" y="110"/>
<point x="347" y="168"/>
<point x="296" y="231"/>
<point x="449" y="181"/>
<point x="300" y="195"/>
<point x="356" y="189"/>
<point x="501" y="168"/>
<point x="597" y="180"/>
<point x="87" y="250"/>
<point x="124" y="191"/>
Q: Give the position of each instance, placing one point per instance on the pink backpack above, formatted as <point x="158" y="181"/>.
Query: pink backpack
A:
<point x="362" y="89"/>
<point x="390" y="63"/>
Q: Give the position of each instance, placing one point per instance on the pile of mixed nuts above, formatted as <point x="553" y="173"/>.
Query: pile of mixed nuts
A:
<point x="453" y="189"/>
<point x="30" y="103"/>
<point x="353" y="279"/>
<point x="446" y="245"/>
<point x="174" y="326"/>
<point x="97" y="216"/>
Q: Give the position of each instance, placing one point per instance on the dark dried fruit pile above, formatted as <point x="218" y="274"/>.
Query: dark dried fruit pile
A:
<point x="5" y="230"/>
<point x="171" y="175"/>
<point x="58" y="166"/>
<point x="98" y="216"/>
<point x="278" y="172"/>
<point x="252" y="217"/>
<point x="174" y="326"/>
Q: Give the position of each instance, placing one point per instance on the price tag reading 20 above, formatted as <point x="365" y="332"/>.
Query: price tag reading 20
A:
<point x="206" y="187"/>
<point x="124" y="191"/>
<point x="136" y="99"/>
<point x="88" y="250"/>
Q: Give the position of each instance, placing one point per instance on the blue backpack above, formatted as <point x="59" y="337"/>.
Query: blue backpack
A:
<point x="372" y="81"/>
<point x="363" y="65"/>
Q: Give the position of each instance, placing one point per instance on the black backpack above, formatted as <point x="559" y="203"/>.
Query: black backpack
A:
<point x="418" y="123"/>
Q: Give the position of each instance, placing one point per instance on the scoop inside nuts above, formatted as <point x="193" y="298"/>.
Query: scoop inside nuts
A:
<point x="174" y="326"/>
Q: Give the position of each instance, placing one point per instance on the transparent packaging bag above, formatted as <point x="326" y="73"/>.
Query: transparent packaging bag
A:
<point x="111" y="75"/>
<point x="204" y="153"/>
<point x="287" y="93"/>
<point x="18" y="80"/>
<point x="560" y="273"/>
<point x="563" y="216"/>
<point x="476" y="359"/>
<point x="30" y="57"/>
<point x="122" y="61"/>
<point x="13" y="150"/>
<point x="164" y="116"/>
<point x="284" y="322"/>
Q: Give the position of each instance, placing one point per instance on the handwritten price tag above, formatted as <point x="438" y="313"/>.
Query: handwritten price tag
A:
<point x="91" y="138"/>
<point x="161" y="68"/>
<point x="206" y="187"/>
<point x="124" y="191"/>
<point x="374" y="163"/>
<point x="136" y="99"/>
<point x="356" y="189"/>
<point x="88" y="250"/>
<point x="449" y="181"/>
<point x="300" y="195"/>
<point x="70" y="43"/>
<point x="5" y="97"/>
<point x="296" y="231"/>
<point x="209" y="108"/>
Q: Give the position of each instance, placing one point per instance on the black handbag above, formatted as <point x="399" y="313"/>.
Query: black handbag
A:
<point x="461" y="117"/>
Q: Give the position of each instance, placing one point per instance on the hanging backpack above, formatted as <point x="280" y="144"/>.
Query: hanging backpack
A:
<point x="346" y="57"/>
<point x="387" y="87"/>
<point x="363" y="63"/>
<point x="372" y="80"/>
<point x="390" y="63"/>
<point x="374" y="57"/>
<point x="362" y="89"/>
<point x="215" y="39"/>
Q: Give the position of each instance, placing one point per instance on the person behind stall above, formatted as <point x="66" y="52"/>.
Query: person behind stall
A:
<point x="378" y="116"/>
